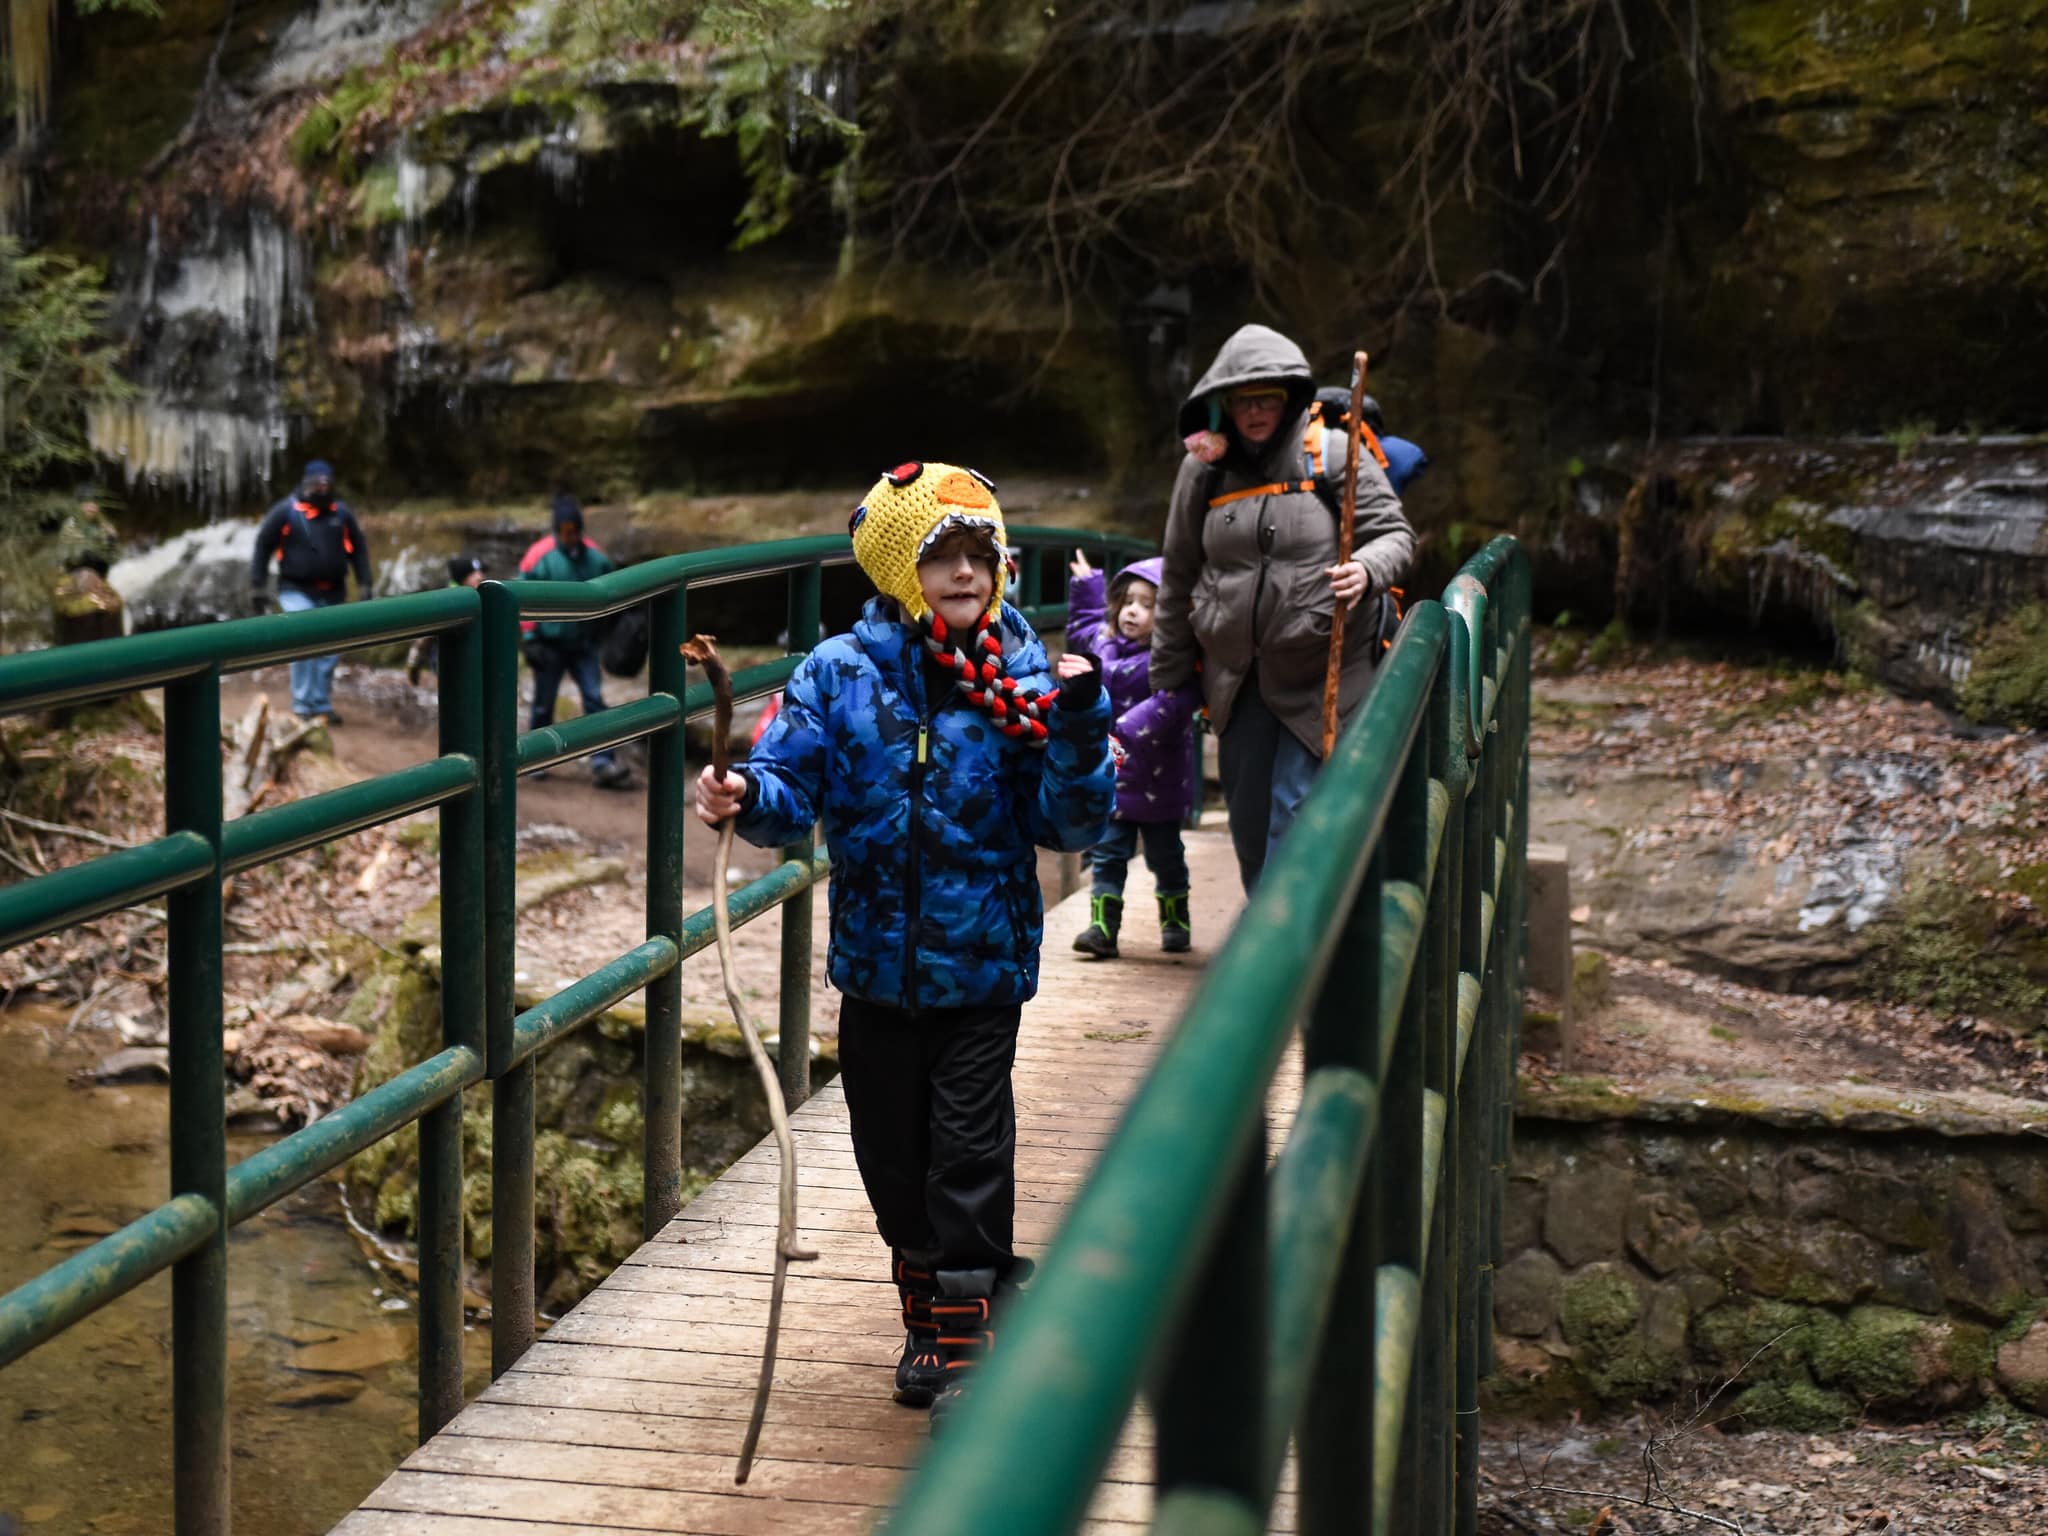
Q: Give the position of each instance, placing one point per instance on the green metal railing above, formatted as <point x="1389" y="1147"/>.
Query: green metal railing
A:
<point x="1341" y="1297"/>
<point x="484" y="1038"/>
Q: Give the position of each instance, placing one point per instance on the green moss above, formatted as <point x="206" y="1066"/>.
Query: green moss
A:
<point x="1875" y="1355"/>
<point x="620" y="1120"/>
<point x="1592" y="981"/>
<point x="1757" y="1341"/>
<point x="1796" y="1405"/>
<point x="1611" y="645"/>
<point x="1585" y="1098"/>
<point x="1968" y="1352"/>
<point x="1601" y="1307"/>
<point x="1944" y="946"/>
<point x="2008" y="681"/>
<point x="586" y="1212"/>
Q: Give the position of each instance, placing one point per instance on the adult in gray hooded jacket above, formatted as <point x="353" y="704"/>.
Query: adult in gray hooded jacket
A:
<point x="1251" y="581"/>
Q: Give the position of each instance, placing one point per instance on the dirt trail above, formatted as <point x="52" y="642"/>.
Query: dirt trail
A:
<point x="1743" y="841"/>
<point x="389" y="724"/>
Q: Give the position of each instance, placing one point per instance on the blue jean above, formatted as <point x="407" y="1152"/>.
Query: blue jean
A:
<point x="313" y="678"/>
<point x="581" y="666"/>
<point x="1110" y="859"/>
<point x="1266" y="774"/>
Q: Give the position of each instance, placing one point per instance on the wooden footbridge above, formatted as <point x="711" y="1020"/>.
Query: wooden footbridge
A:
<point x="1264" y="1188"/>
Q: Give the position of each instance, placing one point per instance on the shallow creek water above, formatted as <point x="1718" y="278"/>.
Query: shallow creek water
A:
<point x="320" y="1357"/>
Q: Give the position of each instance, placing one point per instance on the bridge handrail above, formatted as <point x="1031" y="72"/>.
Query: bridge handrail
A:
<point x="1340" y="1298"/>
<point x="484" y="1039"/>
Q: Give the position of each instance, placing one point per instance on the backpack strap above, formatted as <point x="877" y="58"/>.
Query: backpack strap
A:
<point x="296" y="518"/>
<point x="1274" y="488"/>
<point x="1371" y="439"/>
<point x="1312" y="439"/>
<point x="1315" y="439"/>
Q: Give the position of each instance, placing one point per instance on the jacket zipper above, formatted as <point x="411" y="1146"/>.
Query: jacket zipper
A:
<point x="1265" y="535"/>
<point x="913" y="892"/>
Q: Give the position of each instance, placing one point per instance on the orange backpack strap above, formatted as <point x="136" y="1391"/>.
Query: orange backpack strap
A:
<point x="1372" y="440"/>
<point x="1312" y="439"/>
<point x="1277" y="488"/>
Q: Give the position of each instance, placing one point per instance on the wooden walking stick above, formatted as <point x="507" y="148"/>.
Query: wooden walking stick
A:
<point x="1334" y="676"/>
<point x="703" y="650"/>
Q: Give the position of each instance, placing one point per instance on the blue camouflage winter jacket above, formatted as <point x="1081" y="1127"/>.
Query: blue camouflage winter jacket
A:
<point x="937" y="907"/>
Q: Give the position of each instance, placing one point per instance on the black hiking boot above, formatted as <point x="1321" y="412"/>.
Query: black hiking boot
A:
<point x="968" y="1306"/>
<point x="1106" y="916"/>
<point x="922" y="1370"/>
<point x="1176" y="934"/>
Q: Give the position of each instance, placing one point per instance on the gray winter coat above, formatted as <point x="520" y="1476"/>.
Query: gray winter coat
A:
<point x="1245" y="584"/>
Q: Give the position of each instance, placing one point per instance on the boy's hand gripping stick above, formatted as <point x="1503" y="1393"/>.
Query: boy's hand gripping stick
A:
<point x="704" y="651"/>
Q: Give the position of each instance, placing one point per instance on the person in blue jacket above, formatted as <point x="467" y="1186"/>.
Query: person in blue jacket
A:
<point x="935" y="748"/>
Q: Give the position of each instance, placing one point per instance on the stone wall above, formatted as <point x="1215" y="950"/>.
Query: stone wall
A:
<point x="1820" y="1274"/>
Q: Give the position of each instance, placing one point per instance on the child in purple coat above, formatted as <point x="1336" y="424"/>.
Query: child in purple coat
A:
<point x="1155" y="786"/>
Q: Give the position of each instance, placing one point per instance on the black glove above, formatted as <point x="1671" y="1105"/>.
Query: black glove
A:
<point x="539" y="653"/>
<point x="1084" y="688"/>
<point x="260" y="601"/>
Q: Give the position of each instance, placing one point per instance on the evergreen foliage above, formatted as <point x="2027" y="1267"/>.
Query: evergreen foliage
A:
<point x="55" y="362"/>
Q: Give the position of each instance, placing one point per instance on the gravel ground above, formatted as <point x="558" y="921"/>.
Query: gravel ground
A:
<point x="1981" y="1475"/>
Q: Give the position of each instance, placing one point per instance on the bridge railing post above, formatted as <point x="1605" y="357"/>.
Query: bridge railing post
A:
<point x="668" y="791"/>
<point x="1404" y="1214"/>
<point x="1438" y="977"/>
<point x="512" y="1270"/>
<point x="463" y="987"/>
<point x="199" y="1281"/>
<point x="1209" y="1402"/>
<point x="1334" y="1442"/>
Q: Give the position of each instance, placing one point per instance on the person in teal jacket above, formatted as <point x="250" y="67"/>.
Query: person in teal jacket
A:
<point x="555" y="647"/>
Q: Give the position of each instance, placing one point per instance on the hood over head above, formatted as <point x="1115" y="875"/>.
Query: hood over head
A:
<point x="1152" y="568"/>
<point x="1254" y="354"/>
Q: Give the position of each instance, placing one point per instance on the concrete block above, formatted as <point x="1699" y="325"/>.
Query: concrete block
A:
<point x="1550" y="935"/>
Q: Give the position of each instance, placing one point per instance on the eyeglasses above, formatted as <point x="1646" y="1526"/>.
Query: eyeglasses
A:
<point x="1257" y="400"/>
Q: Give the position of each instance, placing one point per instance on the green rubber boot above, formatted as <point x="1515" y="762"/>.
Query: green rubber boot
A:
<point x="1106" y="916"/>
<point x="1176" y="935"/>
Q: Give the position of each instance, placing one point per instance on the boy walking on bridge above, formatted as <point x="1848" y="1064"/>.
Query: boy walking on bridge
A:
<point x="933" y="748"/>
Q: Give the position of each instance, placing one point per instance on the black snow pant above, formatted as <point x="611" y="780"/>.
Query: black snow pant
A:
<point x="935" y="1128"/>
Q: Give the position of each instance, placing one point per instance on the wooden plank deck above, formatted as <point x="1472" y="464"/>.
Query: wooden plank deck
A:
<point x="628" y="1414"/>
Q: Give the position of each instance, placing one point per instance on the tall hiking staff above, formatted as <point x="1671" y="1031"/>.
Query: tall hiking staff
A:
<point x="1354" y="423"/>
<point x="703" y="650"/>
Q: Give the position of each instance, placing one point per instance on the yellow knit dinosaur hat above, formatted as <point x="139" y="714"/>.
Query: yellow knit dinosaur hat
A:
<point x="907" y="511"/>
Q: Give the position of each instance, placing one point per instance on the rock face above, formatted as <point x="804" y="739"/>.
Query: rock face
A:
<point x="1905" y="553"/>
<point x="477" y="263"/>
<point x="1820" y="1277"/>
